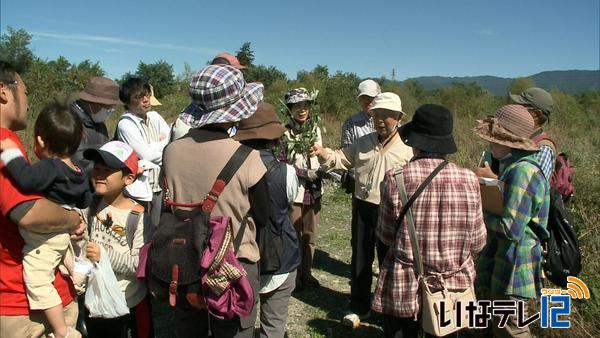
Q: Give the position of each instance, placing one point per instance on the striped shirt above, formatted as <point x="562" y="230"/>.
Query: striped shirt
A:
<point x="450" y="230"/>
<point x="546" y="157"/>
<point x="356" y="126"/>
<point x="123" y="259"/>
<point x="510" y="263"/>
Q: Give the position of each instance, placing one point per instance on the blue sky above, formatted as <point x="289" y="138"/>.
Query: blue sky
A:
<point x="507" y="38"/>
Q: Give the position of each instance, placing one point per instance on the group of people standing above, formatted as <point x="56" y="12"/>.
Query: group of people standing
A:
<point x="88" y="184"/>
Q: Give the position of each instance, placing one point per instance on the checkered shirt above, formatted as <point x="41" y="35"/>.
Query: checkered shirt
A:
<point x="450" y="230"/>
<point x="356" y="126"/>
<point x="510" y="263"/>
<point x="546" y="158"/>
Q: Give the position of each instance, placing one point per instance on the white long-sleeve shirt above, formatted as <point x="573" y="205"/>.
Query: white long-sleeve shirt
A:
<point x="131" y="131"/>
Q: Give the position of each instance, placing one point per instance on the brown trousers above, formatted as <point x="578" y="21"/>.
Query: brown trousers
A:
<point x="306" y="219"/>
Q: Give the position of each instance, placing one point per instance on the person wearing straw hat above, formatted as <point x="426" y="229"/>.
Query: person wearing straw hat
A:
<point x="153" y="100"/>
<point x="95" y="104"/>
<point x="539" y="103"/>
<point x="448" y="208"/>
<point x="263" y="131"/>
<point x="220" y="99"/>
<point x="371" y="156"/>
<point x="509" y="267"/>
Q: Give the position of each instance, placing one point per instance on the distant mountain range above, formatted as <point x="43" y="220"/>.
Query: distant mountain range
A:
<point x="568" y="81"/>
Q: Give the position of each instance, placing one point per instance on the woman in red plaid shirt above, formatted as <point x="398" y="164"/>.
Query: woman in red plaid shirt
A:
<point x="447" y="216"/>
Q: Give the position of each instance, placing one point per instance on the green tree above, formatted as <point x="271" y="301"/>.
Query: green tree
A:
<point x="245" y="55"/>
<point x="14" y="48"/>
<point x="520" y="84"/>
<point x="338" y="97"/>
<point x="160" y="75"/>
<point x="80" y="73"/>
<point x="267" y="75"/>
<point x="415" y="89"/>
<point x="183" y="79"/>
<point x="466" y="99"/>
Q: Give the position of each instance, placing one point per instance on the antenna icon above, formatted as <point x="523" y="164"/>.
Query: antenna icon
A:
<point x="577" y="288"/>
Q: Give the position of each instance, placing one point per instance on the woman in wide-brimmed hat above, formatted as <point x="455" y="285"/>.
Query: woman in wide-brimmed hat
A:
<point x="220" y="99"/>
<point x="509" y="267"/>
<point x="305" y="213"/>
<point x="263" y="131"/>
<point x="448" y="208"/>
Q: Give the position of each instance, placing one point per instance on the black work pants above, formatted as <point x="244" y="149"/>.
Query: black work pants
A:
<point x="364" y="221"/>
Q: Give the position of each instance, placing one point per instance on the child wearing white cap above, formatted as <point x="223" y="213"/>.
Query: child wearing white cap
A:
<point x="115" y="168"/>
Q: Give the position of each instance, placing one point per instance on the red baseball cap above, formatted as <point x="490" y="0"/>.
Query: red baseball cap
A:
<point x="114" y="154"/>
<point x="231" y="60"/>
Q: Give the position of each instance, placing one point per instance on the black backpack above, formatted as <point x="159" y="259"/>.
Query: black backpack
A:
<point x="173" y="266"/>
<point x="562" y="256"/>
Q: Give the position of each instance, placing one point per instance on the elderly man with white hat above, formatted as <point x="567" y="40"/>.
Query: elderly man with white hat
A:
<point x="371" y="156"/>
<point x="359" y="124"/>
<point x="220" y="99"/>
<point x="96" y="102"/>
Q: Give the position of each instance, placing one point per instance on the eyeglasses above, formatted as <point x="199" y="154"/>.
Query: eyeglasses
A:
<point x="141" y="96"/>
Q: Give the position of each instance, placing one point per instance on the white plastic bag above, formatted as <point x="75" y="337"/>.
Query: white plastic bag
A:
<point x="103" y="296"/>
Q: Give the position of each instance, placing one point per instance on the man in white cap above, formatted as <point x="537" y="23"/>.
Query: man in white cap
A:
<point x="359" y="124"/>
<point x="371" y="156"/>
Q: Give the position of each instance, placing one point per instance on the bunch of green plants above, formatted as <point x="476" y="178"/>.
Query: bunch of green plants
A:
<point x="305" y="134"/>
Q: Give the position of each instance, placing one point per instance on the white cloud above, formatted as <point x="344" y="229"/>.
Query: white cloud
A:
<point x="76" y="38"/>
<point x="487" y="32"/>
<point x="116" y="51"/>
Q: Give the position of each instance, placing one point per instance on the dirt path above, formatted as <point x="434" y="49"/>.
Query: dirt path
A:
<point x="316" y="312"/>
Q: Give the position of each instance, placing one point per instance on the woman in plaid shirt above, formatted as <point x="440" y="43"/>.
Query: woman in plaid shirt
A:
<point x="448" y="220"/>
<point x="509" y="267"/>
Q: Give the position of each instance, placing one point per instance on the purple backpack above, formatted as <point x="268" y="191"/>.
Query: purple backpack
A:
<point x="562" y="176"/>
<point x="225" y="286"/>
